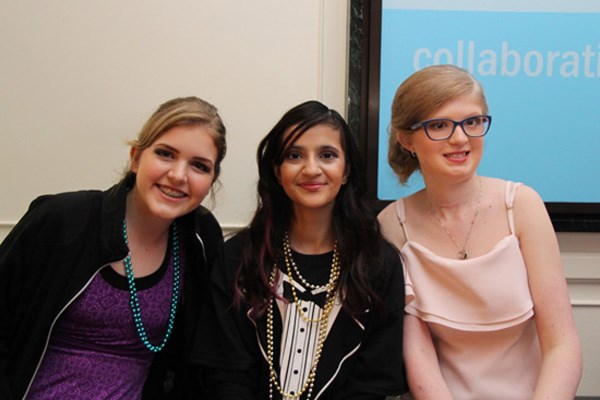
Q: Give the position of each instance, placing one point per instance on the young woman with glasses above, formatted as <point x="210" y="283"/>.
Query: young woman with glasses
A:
<point x="488" y="313"/>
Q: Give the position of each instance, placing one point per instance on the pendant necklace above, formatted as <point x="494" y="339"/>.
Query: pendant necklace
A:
<point x="462" y="251"/>
<point x="133" y="298"/>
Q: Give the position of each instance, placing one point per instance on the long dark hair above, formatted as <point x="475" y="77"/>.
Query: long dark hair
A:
<point x="354" y="221"/>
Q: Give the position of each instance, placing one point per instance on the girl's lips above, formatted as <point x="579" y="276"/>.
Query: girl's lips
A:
<point x="311" y="185"/>
<point x="458" y="156"/>
<point x="170" y="192"/>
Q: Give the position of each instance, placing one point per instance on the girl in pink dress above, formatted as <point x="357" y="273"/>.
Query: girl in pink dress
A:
<point x="487" y="311"/>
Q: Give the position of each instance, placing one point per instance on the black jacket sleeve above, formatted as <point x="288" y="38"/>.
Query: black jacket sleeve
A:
<point x="14" y="264"/>
<point x="224" y="342"/>
<point x="379" y="370"/>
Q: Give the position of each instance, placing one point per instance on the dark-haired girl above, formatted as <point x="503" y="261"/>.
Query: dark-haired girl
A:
<point x="310" y="303"/>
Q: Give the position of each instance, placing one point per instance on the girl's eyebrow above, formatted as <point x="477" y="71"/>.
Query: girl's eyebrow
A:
<point x="330" y="147"/>
<point x="175" y="150"/>
<point x="168" y="147"/>
<point x="322" y="147"/>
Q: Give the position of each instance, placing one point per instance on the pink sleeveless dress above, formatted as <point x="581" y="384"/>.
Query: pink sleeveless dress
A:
<point x="479" y="312"/>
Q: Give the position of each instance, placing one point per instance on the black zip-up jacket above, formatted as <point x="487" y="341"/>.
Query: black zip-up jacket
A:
<point x="50" y="257"/>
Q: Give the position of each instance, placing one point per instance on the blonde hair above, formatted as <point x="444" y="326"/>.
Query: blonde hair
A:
<point x="418" y="97"/>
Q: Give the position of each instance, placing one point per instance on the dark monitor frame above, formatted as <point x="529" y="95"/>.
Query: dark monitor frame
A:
<point x="363" y="113"/>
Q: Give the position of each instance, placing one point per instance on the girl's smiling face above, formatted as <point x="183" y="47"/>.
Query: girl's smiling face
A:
<point x="313" y="169"/>
<point x="459" y="155"/>
<point x="174" y="174"/>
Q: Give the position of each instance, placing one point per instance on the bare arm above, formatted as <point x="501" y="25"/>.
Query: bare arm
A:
<point x="559" y="341"/>
<point x="423" y="371"/>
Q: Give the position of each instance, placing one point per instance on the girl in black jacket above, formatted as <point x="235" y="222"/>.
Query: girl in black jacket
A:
<point x="100" y="291"/>
<point x="309" y="304"/>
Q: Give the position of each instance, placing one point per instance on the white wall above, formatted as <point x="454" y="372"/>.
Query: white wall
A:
<point x="78" y="79"/>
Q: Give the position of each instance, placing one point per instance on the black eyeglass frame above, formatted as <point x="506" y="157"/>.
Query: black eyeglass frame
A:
<point x="423" y="124"/>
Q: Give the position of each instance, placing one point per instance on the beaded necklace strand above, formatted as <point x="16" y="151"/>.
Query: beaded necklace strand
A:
<point x="323" y="321"/>
<point x="289" y="259"/>
<point x="133" y="298"/>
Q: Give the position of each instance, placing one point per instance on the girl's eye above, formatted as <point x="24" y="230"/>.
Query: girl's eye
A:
<point x="163" y="153"/>
<point x="329" y="155"/>
<point x="201" y="167"/>
<point x="293" y="155"/>
<point x="438" y="125"/>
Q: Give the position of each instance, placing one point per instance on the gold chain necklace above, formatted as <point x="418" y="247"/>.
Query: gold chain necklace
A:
<point x="331" y="284"/>
<point x="289" y="259"/>
<point x="462" y="251"/>
<point x="323" y="321"/>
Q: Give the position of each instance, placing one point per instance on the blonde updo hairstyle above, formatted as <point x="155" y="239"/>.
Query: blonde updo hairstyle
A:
<point x="417" y="98"/>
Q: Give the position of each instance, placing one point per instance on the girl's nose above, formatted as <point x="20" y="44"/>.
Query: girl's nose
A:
<point x="178" y="172"/>
<point x="459" y="135"/>
<point x="311" y="166"/>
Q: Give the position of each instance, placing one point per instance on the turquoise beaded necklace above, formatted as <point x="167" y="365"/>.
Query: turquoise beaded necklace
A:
<point x="133" y="298"/>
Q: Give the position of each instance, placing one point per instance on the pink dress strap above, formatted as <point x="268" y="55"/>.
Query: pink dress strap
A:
<point x="511" y="189"/>
<point x="401" y="213"/>
<point x="392" y="223"/>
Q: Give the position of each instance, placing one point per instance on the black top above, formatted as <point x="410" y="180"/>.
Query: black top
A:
<point x="361" y="359"/>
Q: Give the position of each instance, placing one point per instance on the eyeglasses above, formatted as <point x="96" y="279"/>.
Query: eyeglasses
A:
<point x="443" y="128"/>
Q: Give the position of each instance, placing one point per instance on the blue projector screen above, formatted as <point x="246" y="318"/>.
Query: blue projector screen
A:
<point x="539" y="63"/>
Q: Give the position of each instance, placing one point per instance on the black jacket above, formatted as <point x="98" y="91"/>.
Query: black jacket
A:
<point x="52" y="254"/>
<point x="361" y="359"/>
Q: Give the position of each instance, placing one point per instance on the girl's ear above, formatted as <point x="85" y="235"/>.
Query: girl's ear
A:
<point x="346" y="175"/>
<point x="277" y="172"/>
<point x="405" y="141"/>
<point x="134" y="158"/>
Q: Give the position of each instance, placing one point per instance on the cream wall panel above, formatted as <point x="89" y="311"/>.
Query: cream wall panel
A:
<point x="78" y="79"/>
<point x="580" y="253"/>
<point x="587" y="320"/>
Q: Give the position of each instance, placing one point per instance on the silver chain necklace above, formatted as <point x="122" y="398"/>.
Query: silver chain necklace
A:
<point x="462" y="251"/>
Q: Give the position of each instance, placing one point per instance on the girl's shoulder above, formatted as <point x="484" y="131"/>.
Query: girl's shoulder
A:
<point x="65" y="202"/>
<point x="385" y="265"/>
<point x="205" y="222"/>
<point x="68" y="208"/>
<point x="510" y="192"/>
<point x="235" y="242"/>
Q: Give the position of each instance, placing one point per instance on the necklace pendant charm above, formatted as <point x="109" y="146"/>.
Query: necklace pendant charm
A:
<point x="462" y="255"/>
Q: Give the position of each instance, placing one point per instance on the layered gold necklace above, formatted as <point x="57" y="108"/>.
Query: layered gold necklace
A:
<point x="322" y="320"/>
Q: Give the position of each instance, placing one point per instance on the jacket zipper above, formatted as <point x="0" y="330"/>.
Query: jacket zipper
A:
<point x="52" y="328"/>
<point x="71" y="301"/>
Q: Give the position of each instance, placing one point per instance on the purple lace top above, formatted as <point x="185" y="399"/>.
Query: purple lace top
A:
<point x="94" y="350"/>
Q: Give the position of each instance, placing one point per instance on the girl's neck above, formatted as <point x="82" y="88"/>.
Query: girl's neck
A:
<point x="311" y="236"/>
<point x="141" y="225"/>
<point x="444" y="195"/>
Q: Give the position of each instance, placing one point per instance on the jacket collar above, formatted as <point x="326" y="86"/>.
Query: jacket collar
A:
<point x="343" y="340"/>
<point x="114" y="200"/>
<point x="113" y="246"/>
